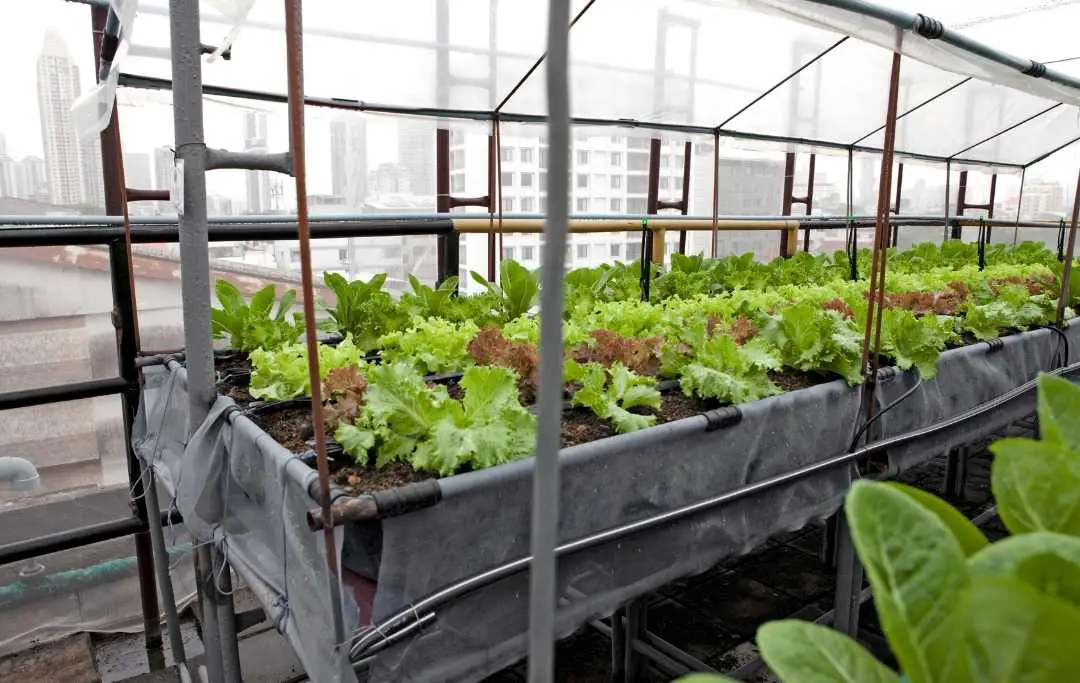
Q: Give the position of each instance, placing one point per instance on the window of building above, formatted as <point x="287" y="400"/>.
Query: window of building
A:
<point x="508" y="204"/>
<point x="583" y="251"/>
<point x="528" y="252"/>
<point x="507" y="153"/>
<point x="543" y="182"/>
<point x="457" y="182"/>
<point x="392" y="253"/>
<point x="665" y="183"/>
<point x="617" y="139"/>
<point x="543" y="205"/>
<point x="543" y="157"/>
<point x="507" y="179"/>
<point x="616" y="182"/>
<point x="343" y="255"/>
<point x="508" y="253"/>
<point x="457" y="159"/>
<point x="583" y="156"/>
<point x="616" y="158"/>
<point x="638" y="142"/>
<point x="637" y="162"/>
<point x="294" y="255"/>
<point x="637" y="184"/>
<point x="665" y="160"/>
<point x="527" y="204"/>
<point x="582" y="204"/>
<point x="633" y="250"/>
<point x="635" y="205"/>
<point x="526" y="155"/>
<point x="526" y="179"/>
<point x="616" y="250"/>
<point x="616" y="205"/>
<point x="582" y="180"/>
<point x="678" y="183"/>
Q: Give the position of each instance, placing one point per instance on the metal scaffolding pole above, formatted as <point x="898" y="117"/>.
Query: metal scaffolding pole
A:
<point x="218" y="621"/>
<point x="545" y="501"/>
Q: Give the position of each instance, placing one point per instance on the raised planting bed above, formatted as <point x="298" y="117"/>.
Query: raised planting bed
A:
<point x="234" y="482"/>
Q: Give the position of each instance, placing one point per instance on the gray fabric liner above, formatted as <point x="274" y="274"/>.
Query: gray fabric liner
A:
<point x="236" y="485"/>
<point x="255" y="503"/>
<point x="968" y="377"/>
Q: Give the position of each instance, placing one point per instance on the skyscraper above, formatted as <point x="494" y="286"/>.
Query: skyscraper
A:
<point x="348" y="161"/>
<point x="7" y="171"/>
<point x="73" y="165"/>
<point x="416" y="152"/>
<point x="259" y="189"/>
<point x="32" y="179"/>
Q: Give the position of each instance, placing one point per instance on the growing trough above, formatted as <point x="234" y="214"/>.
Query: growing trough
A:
<point x="233" y="482"/>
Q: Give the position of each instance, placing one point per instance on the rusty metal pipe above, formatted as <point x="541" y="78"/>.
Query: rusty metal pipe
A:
<point x="294" y="45"/>
<point x="1066" y="274"/>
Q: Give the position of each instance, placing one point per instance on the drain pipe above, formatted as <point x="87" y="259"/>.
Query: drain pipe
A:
<point x="19" y="474"/>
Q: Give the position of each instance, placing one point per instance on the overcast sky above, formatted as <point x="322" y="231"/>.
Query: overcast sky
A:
<point x="738" y="54"/>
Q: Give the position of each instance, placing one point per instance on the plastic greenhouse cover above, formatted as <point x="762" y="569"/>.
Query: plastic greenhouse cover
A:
<point x="694" y="63"/>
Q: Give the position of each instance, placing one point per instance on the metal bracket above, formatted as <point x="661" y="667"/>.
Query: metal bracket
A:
<point x="249" y="161"/>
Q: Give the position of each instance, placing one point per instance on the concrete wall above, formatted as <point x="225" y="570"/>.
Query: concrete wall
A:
<point x="55" y="328"/>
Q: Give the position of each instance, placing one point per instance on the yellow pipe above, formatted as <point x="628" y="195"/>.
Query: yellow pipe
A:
<point x="593" y="225"/>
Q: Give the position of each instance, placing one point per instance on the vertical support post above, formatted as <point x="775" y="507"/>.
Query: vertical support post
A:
<point x="1070" y="250"/>
<point x="872" y="335"/>
<point x="809" y="200"/>
<point x="962" y="203"/>
<point x="222" y="655"/>
<point x="294" y="55"/>
<point x="544" y="534"/>
<point x="786" y="247"/>
<point x="618" y="645"/>
<point x="849" y="576"/>
<point x="1019" y="204"/>
<point x="948" y="181"/>
<point x="492" y="182"/>
<point x="895" y="236"/>
<point x="715" y="192"/>
<point x="127" y="346"/>
<point x="653" y="199"/>
<point x="685" y="201"/>
<point x="635" y="627"/>
<point x="442" y="200"/>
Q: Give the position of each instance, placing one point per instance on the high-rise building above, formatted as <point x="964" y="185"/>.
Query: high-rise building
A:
<point x="58" y="87"/>
<point x="260" y="188"/>
<point x="93" y="180"/>
<point x="7" y="171"/>
<point x="32" y="179"/>
<point x="416" y="152"/>
<point x="348" y="162"/>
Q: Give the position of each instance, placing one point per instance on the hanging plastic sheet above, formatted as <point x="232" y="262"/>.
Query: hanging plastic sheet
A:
<point x="92" y="111"/>
<point x="237" y="11"/>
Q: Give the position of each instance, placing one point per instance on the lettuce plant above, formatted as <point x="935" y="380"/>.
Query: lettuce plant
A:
<point x="516" y="292"/>
<point x="363" y="310"/>
<point x="408" y="420"/>
<point x="283" y="374"/>
<point x="251" y="326"/>
<point x="433" y="345"/>
<point x="955" y="608"/>
<point x="612" y="392"/>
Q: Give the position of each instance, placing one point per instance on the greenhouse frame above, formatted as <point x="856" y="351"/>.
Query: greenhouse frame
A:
<point x="403" y="583"/>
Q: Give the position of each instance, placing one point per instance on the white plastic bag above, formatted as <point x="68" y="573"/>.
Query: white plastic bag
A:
<point x="238" y="11"/>
<point x="93" y="109"/>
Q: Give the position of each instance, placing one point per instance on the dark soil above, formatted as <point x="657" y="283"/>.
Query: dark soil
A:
<point x="581" y="426"/>
<point x="794" y="380"/>
<point x="357" y="480"/>
<point x="289" y="426"/>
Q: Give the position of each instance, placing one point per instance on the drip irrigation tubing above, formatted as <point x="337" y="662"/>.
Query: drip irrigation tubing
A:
<point x="378" y="637"/>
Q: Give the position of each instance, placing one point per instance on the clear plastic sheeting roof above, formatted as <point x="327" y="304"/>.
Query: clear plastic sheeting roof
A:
<point x="798" y="72"/>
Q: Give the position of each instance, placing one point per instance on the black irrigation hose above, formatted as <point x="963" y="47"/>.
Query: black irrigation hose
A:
<point x="1064" y="341"/>
<point x="983" y="235"/>
<point x="1061" y="241"/>
<point x="897" y="401"/>
<point x="853" y="251"/>
<point x="376" y="638"/>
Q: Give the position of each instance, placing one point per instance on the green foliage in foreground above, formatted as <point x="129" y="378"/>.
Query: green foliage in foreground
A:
<point x="954" y="607"/>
